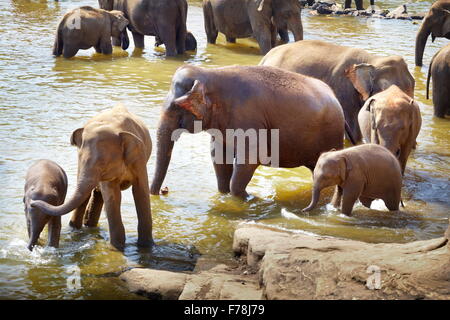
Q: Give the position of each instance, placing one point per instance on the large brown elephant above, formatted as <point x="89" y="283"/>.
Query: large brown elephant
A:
<point x="439" y="70"/>
<point x="392" y="119"/>
<point x="46" y="181"/>
<point x="304" y="110"/>
<point x="365" y="172"/>
<point x="113" y="150"/>
<point x="166" y="20"/>
<point x="258" y="18"/>
<point x="354" y="74"/>
<point x="88" y="27"/>
<point x="436" y="23"/>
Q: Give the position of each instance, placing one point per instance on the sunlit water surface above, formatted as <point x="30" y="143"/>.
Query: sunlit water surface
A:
<point x="44" y="99"/>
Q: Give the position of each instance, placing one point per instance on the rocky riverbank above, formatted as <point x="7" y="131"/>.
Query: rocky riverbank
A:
<point x="274" y="264"/>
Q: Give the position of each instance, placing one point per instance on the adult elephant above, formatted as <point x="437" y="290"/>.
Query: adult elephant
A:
<point x="440" y="72"/>
<point x="436" y="23"/>
<point x="166" y="20"/>
<point x="113" y="150"/>
<point x="253" y="99"/>
<point x="257" y="18"/>
<point x="354" y="74"/>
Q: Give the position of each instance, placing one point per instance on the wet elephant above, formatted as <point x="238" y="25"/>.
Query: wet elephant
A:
<point x="257" y="18"/>
<point x="113" y="150"/>
<point x="439" y="71"/>
<point x="354" y="74"/>
<point x="436" y="23"/>
<point x="87" y="27"/>
<point x="392" y="119"/>
<point x="304" y="110"/>
<point x="166" y="20"/>
<point x="365" y="172"/>
<point x="46" y="181"/>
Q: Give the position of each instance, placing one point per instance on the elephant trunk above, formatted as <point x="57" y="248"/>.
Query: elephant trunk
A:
<point x="82" y="192"/>
<point x="37" y="225"/>
<point x="315" y="198"/>
<point x="295" y="25"/>
<point x="421" y="40"/>
<point x="164" y="145"/>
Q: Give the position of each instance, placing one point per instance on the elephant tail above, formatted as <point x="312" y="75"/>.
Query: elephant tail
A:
<point x="58" y="45"/>
<point x="428" y="79"/>
<point x="348" y="130"/>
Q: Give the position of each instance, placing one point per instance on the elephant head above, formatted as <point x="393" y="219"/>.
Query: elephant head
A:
<point x="330" y="170"/>
<point x="369" y="79"/>
<point x="436" y="23"/>
<point x="119" y="27"/>
<point x="103" y="155"/>
<point x="179" y="112"/>
<point x="287" y="15"/>
<point x="36" y="221"/>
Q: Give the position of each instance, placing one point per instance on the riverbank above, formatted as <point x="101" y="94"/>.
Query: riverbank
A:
<point x="274" y="264"/>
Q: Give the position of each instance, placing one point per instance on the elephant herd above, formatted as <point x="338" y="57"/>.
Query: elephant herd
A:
<point x="312" y="92"/>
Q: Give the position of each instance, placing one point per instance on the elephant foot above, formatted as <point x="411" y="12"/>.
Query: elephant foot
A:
<point x="145" y="243"/>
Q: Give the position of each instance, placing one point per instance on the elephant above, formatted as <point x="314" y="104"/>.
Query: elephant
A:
<point x="191" y="42"/>
<point x="88" y="27"/>
<point x="365" y="172"/>
<point x="436" y="23"/>
<point x="258" y="18"/>
<point x="440" y="71"/>
<point x="45" y="180"/>
<point x="166" y="20"/>
<point x="354" y="74"/>
<point x="113" y="149"/>
<point x="392" y="119"/>
<point x="305" y="111"/>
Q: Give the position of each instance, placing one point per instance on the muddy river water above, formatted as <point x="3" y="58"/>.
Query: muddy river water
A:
<point x="43" y="99"/>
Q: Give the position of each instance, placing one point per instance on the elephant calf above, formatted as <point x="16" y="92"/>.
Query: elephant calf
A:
<point x="45" y="181"/>
<point x="392" y="119"/>
<point x="113" y="151"/>
<point x="367" y="172"/>
<point x="88" y="27"/>
<point x="440" y="72"/>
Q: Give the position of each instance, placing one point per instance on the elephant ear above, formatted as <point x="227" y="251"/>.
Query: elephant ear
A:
<point x="344" y="167"/>
<point x="195" y="100"/>
<point x="362" y="77"/>
<point x="132" y="147"/>
<point x="76" y="137"/>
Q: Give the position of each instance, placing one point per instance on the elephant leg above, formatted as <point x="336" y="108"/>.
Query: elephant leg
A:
<point x="168" y="37"/>
<point x="98" y="49"/>
<point x="242" y="174"/>
<point x="348" y="4"/>
<point x="105" y="45"/>
<point x="231" y="39"/>
<point x="284" y="35"/>
<point x="337" y="197"/>
<point x="262" y="29"/>
<point x="392" y="201"/>
<point x="138" y="40"/>
<point x="349" y="196"/>
<point x="141" y="195"/>
<point x="94" y="209"/>
<point x="112" y="197"/>
<point x="76" y="221"/>
<point x="223" y="175"/>
<point x="366" y="201"/>
<point x="441" y="99"/>
<point x="54" y="231"/>
<point x="116" y="41"/>
<point x="210" y="27"/>
<point x="359" y="4"/>
<point x="69" y="51"/>
<point x="181" y="40"/>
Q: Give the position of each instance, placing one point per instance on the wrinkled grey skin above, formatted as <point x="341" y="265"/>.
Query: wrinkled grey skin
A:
<point x="88" y="27"/>
<point x="436" y="23"/>
<point x="257" y="18"/>
<point x="365" y="172"/>
<point x="354" y="74"/>
<point x="306" y="112"/>
<point x="166" y="20"/>
<point x="45" y="181"/>
<point x="439" y="70"/>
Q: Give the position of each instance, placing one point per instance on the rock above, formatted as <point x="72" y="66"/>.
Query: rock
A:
<point x="401" y="11"/>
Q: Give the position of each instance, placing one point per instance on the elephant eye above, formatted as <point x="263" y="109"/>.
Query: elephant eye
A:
<point x="397" y="154"/>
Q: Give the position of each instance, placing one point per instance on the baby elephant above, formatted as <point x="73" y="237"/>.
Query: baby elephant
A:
<point x="367" y="172"/>
<point x="88" y="27"/>
<point x="46" y="181"/>
<point x="392" y="119"/>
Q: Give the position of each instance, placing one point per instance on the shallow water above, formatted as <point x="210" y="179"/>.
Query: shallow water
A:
<point x="44" y="99"/>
